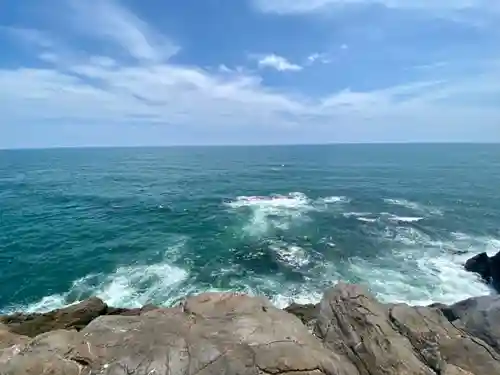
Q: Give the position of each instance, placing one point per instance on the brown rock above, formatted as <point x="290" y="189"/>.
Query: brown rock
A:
<point x="72" y="317"/>
<point x="399" y="339"/>
<point x="353" y="323"/>
<point x="8" y="339"/>
<point x="129" y="312"/>
<point x="234" y="334"/>
<point x="212" y="334"/>
<point x="441" y="343"/>
<point x="480" y="317"/>
<point x="56" y="353"/>
<point x="308" y="314"/>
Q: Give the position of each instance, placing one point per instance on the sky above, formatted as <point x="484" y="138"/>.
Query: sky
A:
<point x="169" y="72"/>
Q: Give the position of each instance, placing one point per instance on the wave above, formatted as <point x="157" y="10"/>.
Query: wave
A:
<point x="272" y="212"/>
<point x="292" y="255"/>
<point x="355" y="214"/>
<point x="367" y="219"/>
<point x="418" y="207"/>
<point x="406" y="219"/>
<point x="420" y="270"/>
<point x="280" y="211"/>
<point x="130" y="286"/>
<point x="333" y="199"/>
<point x="416" y="269"/>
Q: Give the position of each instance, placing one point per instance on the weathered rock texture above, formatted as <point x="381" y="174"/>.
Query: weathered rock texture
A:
<point x="226" y="334"/>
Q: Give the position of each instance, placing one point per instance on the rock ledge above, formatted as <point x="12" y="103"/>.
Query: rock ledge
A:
<point x="348" y="333"/>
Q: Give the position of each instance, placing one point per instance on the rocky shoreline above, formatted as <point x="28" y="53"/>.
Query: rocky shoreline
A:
<point x="348" y="332"/>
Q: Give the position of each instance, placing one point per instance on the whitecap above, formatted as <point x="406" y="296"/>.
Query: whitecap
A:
<point x="333" y="199"/>
<point x="406" y="219"/>
<point x="272" y="212"/>
<point x="366" y="219"/>
<point x="292" y="255"/>
<point x="418" y="207"/>
<point x="129" y="286"/>
<point x="355" y="214"/>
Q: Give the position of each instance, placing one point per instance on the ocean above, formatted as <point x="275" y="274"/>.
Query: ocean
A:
<point x="151" y="225"/>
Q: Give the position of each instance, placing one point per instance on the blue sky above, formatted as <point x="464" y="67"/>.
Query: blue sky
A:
<point x="170" y="72"/>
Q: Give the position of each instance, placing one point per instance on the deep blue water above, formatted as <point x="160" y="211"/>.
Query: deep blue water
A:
<point x="140" y="225"/>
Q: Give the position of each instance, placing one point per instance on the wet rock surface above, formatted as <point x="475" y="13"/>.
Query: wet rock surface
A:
<point x="226" y="333"/>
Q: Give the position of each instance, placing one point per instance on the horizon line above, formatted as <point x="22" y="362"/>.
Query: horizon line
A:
<point x="23" y="148"/>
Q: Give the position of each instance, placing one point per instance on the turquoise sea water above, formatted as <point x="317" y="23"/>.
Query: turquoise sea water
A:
<point x="140" y="225"/>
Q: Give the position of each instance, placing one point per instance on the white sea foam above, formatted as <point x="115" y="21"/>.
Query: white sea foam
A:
<point x="405" y="219"/>
<point x="421" y="271"/>
<point x="333" y="199"/>
<point x="131" y="286"/>
<point x="367" y="219"/>
<point x="279" y="211"/>
<point x="417" y="207"/>
<point x="355" y="214"/>
<point x="292" y="255"/>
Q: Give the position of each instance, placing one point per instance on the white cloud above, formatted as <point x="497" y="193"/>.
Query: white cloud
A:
<point x="277" y="62"/>
<point x="85" y="89"/>
<point x="319" y="57"/>
<point x="109" y="21"/>
<point x="304" y="6"/>
<point x="176" y="96"/>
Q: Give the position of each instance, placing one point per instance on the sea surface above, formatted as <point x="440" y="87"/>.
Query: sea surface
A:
<point x="151" y="225"/>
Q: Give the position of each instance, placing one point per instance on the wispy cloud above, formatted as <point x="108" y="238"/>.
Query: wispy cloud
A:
<point x="277" y="62"/>
<point x="30" y="36"/>
<point x="304" y="6"/>
<point x="110" y="22"/>
<point x="322" y="58"/>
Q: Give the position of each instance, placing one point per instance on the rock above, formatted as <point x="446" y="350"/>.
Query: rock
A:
<point x="8" y="339"/>
<point x="10" y="344"/>
<point x="72" y="317"/>
<point x="487" y="267"/>
<point x="57" y="353"/>
<point x="214" y="333"/>
<point x="234" y="334"/>
<point x="441" y="343"/>
<point x="308" y="314"/>
<point x="398" y="339"/>
<point x="130" y="312"/>
<point x="353" y="323"/>
<point x="479" y="264"/>
<point x="480" y="317"/>
<point x="495" y="271"/>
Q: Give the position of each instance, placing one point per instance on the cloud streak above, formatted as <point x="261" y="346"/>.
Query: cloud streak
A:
<point x="306" y="6"/>
<point x="110" y="22"/>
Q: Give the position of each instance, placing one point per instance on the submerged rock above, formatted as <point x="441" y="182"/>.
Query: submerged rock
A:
<point x="234" y="334"/>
